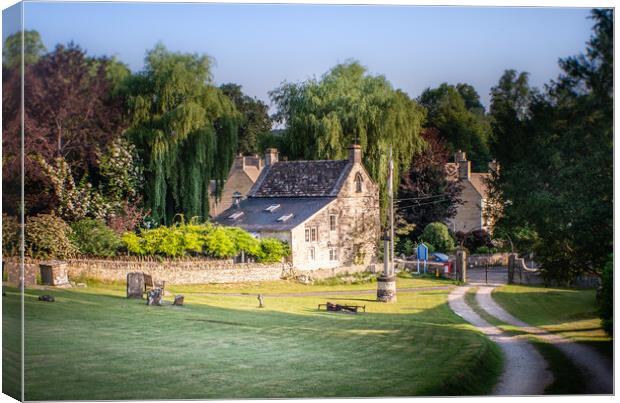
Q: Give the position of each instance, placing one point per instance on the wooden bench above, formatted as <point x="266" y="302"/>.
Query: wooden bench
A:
<point x="149" y="284"/>
<point x="339" y="308"/>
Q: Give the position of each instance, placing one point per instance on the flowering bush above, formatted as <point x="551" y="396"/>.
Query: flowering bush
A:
<point x="49" y="237"/>
<point x="10" y="235"/>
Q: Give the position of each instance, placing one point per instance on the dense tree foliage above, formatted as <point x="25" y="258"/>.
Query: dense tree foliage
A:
<point x="437" y="237"/>
<point x="33" y="49"/>
<point x="254" y="118"/>
<point x="348" y="105"/>
<point x="556" y="155"/>
<point x="425" y="194"/>
<point x="459" y="116"/>
<point x="69" y="114"/>
<point x="185" y="130"/>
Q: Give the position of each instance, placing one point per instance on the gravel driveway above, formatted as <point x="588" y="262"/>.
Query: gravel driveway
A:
<point x="525" y="370"/>
<point x="597" y="368"/>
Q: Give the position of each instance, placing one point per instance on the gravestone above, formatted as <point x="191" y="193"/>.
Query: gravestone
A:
<point x="178" y="300"/>
<point x="135" y="285"/>
<point x="153" y="297"/>
<point x="54" y="273"/>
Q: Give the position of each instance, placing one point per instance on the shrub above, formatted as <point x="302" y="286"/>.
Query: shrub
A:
<point x="219" y="242"/>
<point x="48" y="237"/>
<point x="10" y="235"/>
<point x="437" y="235"/>
<point x="93" y="237"/>
<point x="272" y="250"/>
<point x="606" y="310"/>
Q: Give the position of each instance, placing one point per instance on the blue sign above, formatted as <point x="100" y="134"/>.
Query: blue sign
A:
<point x="422" y="252"/>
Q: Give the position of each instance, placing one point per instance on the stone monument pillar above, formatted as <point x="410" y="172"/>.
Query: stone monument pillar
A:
<point x="461" y="265"/>
<point x="386" y="283"/>
<point x="135" y="285"/>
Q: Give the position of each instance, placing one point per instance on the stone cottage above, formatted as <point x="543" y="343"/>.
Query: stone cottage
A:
<point x="474" y="212"/>
<point x="241" y="177"/>
<point x="327" y="211"/>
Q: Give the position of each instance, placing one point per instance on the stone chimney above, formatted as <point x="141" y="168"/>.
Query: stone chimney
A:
<point x="355" y="153"/>
<point x="464" y="166"/>
<point x="271" y="156"/>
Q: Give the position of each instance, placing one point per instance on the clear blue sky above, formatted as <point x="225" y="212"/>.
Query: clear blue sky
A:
<point x="259" y="46"/>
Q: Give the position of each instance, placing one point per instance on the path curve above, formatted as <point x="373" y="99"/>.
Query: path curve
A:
<point x="316" y="293"/>
<point x="596" y="366"/>
<point x="525" y="370"/>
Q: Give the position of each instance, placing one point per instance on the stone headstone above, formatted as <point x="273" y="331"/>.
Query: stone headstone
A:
<point x="135" y="285"/>
<point x="54" y="273"/>
<point x="178" y="300"/>
<point x="153" y="297"/>
<point x="260" y="301"/>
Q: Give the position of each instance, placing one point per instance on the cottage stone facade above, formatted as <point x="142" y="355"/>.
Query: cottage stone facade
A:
<point x="243" y="174"/>
<point x="473" y="214"/>
<point x="327" y="211"/>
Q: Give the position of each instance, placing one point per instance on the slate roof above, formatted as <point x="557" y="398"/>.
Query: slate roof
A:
<point x="479" y="180"/>
<point x="255" y="218"/>
<point x="301" y="179"/>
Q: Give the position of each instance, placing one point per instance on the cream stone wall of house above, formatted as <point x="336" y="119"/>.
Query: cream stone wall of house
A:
<point x="241" y="178"/>
<point x="469" y="215"/>
<point x="359" y="220"/>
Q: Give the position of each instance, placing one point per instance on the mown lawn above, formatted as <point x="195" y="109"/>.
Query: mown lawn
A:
<point x="568" y="312"/>
<point x="94" y="344"/>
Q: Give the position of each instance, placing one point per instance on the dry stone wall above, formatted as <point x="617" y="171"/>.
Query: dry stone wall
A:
<point x="173" y="272"/>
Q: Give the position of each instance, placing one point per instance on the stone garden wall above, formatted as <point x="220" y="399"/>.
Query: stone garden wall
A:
<point x="173" y="272"/>
<point x="197" y="271"/>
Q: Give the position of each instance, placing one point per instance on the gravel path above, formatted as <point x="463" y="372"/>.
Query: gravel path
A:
<point x="525" y="370"/>
<point x="597" y="367"/>
<point x="318" y="293"/>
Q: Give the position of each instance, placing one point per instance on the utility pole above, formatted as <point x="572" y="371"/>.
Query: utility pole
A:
<point x="386" y="283"/>
<point x="391" y="194"/>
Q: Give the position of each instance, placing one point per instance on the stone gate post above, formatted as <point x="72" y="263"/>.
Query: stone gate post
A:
<point x="512" y="258"/>
<point x="461" y="265"/>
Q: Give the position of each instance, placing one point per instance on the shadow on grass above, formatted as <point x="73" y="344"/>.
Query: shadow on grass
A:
<point x="93" y="346"/>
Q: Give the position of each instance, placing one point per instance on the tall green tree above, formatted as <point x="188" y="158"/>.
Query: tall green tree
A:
<point x="459" y="116"/>
<point x="33" y="48"/>
<point x="185" y="130"/>
<point x="348" y="105"/>
<point x="255" y="118"/>
<point x="556" y="158"/>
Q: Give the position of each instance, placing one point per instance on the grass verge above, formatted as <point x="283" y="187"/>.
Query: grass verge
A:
<point x="92" y="343"/>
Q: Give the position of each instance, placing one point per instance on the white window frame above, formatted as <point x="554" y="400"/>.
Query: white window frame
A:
<point x="307" y="234"/>
<point x="333" y="222"/>
<point x="311" y="253"/>
<point x="314" y="234"/>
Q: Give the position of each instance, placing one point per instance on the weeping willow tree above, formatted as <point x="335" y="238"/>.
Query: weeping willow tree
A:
<point x="185" y="130"/>
<point x="323" y="117"/>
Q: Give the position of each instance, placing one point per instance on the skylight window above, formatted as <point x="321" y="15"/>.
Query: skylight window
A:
<point x="285" y="217"/>
<point x="235" y="215"/>
<point x="272" y="208"/>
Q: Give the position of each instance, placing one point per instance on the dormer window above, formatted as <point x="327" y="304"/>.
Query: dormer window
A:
<point x="235" y="215"/>
<point x="358" y="183"/>
<point x="285" y="217"/>
<point x="272" y="208"/>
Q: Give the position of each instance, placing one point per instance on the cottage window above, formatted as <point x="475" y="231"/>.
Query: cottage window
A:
<point x="332" y="222"/>
<point x="307" y="235"/>
<point x="310" y="253"/>
<point x="313" y="236"/>
<point x="272" y="208"/>
<point x="235" y="215"/>
<point x="358" y="183"/>
<point x="285" y="217"/>
<point x="333" y="254"/>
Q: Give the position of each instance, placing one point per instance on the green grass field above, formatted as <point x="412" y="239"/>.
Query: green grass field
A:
<point x="568" y="312"/>
<point x="92" y="343"/>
